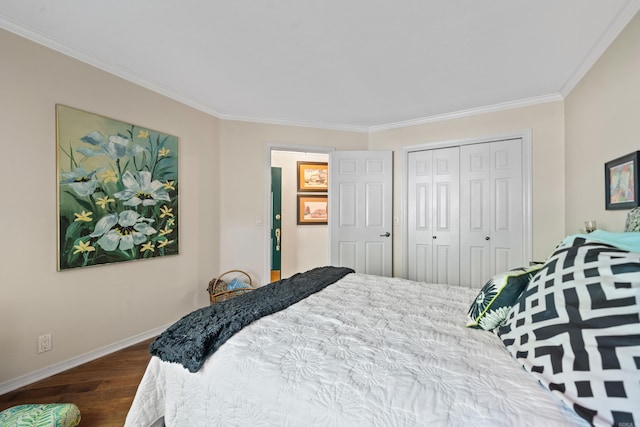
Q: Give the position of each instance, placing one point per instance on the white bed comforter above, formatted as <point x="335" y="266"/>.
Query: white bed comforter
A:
<point x="366" y="351"/>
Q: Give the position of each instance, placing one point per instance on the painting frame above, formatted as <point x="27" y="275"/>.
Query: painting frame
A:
<point x="621" y="182"/>
<point x="117" y="190"/>
<point x="313" y="209"/>
<point x="313" y="176"/>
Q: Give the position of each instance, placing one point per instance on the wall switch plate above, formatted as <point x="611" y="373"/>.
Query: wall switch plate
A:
<point x="44" y="343"/>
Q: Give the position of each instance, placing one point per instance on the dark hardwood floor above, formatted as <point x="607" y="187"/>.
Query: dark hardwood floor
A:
<point x="103" y="389"/>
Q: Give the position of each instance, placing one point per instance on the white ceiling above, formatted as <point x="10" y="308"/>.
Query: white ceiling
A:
<point x="346" y="64"/>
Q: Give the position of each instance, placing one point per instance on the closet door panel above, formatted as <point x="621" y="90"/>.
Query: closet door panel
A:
<point x="422" y="260"/>
<point x="419" y="214"/>
<point x="432" y="209"/>
<point x="503" y="259"/>
<point x="446" y="206"/>
<point x="423" y="207"/>
<point x="475" y="218"/>
<point x="478" y="257"/>
<point x="507" y="206"/>
<point x="491" y="210"/>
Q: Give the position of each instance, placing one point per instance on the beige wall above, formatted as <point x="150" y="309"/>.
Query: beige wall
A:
<point x="545" y="121"/>
<point x="244" y="171"/>
<point x="602" y="124"/>
<point x="90" y="308"/>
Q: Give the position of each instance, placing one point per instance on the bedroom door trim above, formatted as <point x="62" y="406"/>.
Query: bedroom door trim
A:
<point x="526" y="136"/>
<point x="267" y="194"/>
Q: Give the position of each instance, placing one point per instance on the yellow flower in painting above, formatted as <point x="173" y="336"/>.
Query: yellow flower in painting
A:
<point x="149" y="246"/>
<point x="84" y="216"/>
<point x="102" y="201"/>
<point x="83" y="247"/>
<point x="109" y="176"/>
<point x="163" y="152"/>
<point x="171" y="222"/>
<point x="166" y="211"/>
<point x="163" y="243"/>
<point x="143" y="134"/>
<point x="166" y="230"/>
<point x="169" y="185"/>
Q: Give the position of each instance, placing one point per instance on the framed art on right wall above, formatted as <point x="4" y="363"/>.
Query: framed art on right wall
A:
<point x="621" y="182"/>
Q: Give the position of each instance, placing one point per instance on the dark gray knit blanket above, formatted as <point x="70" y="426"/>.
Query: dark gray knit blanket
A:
<point x="193" y="338"/>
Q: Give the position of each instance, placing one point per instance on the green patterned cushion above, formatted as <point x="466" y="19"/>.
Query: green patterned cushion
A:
<point x="490" y="308"/>
<point x="633" y="220"/>
<point x="41" y="415"/>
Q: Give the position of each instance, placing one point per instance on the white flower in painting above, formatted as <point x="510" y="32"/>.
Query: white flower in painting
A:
<point x="494" y="318"/>
<point x="141" y="190"/>
<point x="83" y="183"/>
<point x="115" y="146"/>
<point x="122" y="231"/>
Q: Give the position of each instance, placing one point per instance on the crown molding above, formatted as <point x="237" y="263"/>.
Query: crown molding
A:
<point x="623" y="18"/>
<point x="123" y="73"/>
<point x="626" y="14"/>
<point x="470" y="112"/>
<point x="284" y="122"/>
<point x="46" y="41"/>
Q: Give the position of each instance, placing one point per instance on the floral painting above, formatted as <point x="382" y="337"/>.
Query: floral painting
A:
<point x="117" y="190"/>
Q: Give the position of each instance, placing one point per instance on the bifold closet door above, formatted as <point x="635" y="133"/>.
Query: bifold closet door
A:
<point x="491" y="210"/>
<point x="432" y="215"/>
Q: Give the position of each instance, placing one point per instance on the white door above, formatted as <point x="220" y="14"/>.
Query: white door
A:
<point x="491" y="210"/>
<point x="433" y="215"/>
<point x="360" y="211"/>
<point x="475" y="217"/>
<point x="507" y="206"/>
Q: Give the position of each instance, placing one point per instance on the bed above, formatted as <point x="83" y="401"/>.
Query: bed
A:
<point x="374" y="351"/>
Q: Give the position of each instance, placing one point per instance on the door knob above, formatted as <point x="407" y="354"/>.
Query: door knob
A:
<point x="487" y="238"/>
<point x="387" y="234"/>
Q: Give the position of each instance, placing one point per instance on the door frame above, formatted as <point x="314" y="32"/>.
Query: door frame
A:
<point x="527" y="180"/>
<point x="267" y="192"/>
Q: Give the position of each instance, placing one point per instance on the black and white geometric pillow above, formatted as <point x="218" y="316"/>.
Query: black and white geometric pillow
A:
<point x="576" y="328"/>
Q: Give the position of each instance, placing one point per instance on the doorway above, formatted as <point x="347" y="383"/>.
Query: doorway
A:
<point x="301" y="247"/>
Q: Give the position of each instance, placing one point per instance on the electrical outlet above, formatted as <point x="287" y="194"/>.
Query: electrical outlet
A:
<point x="44" y="343"/>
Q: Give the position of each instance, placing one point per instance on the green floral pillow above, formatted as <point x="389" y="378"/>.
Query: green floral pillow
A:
<point x="46" y="414"/>
<point x="490" y="308"/>
<point x="633" y="220"/>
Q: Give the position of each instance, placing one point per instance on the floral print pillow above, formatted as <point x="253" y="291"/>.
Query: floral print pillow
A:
<point x="633" y="220"/>
<point x="490" y="308"/>
<point x="46" y="414"/>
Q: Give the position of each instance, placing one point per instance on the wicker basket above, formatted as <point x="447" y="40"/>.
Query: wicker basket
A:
<point x="218" y="290"/>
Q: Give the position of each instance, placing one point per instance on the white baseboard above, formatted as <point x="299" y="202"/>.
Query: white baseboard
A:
<point x="41" y="374"/>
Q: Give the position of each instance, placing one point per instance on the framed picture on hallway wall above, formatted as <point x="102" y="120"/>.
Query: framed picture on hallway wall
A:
<point x="313" y="176"/>
<point x="621" y="182"/>
<point x="312" y="209"/>
<point x="117" y="190"/>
